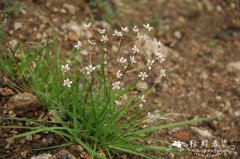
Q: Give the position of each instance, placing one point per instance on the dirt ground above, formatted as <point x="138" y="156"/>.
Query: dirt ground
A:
<point x="203" y="70"/>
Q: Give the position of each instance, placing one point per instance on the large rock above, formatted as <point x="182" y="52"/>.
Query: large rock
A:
<point x="22" y="103"/>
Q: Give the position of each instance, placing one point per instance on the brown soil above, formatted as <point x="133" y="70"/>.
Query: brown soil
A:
<point x="205" y="39"/>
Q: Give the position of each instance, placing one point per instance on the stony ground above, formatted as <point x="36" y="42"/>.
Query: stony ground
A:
<point x="203" y="68"/>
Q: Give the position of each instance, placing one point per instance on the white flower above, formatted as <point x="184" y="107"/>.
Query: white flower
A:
<point x="67" y="82"/>
<point x="105" y="49"/>
<point x="119" y="74"/>
<point x="144" y="126"/>
<point x="118" y="103"/>
<point x="78" y="45"/>
<point x="121" y="60"/>
<point x="140" y="106"/>
<point x="143" y="75"/>
<point x="117" y="33"/>
<point x="150" y="63"/>
<point x="158" y="43"/>
<point x="92" y="42"/>
<point x="135" y="29"/>
<point x="178" y="144"/>
<point x="135" y="49"/>
<point x="87" y="26"/>
<point x="162" y="72"/>
<point x="160" y="56"/>
<point x="157" y="53"/>
<point x="142" y="97"/>
<point x="148" y="27"/>
<point x="124" y="29"/>
<point x="90" y="69"/>
<point x="116" y="85"/>
<point x="132" y="59"/>
<point x="104" y="38"/>
<point x="65" y="68"/>
<point x="101" y="31"/>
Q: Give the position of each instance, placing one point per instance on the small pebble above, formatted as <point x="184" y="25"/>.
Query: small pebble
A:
<point x="24" y="153"/>
<point x="45" y="141"/>
<point x="29" y="138"/>
<point x="237" y="113"/>
<point x="37" y="137"/>
<point x="178" y="34"/>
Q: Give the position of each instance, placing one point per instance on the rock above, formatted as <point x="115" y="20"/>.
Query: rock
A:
<point x="17" y="26"/>
<point x="45" y="142"/>
<point x="43" y="156"/>
<point x="178" y="34"/>
<point x="101" y="153"/>
<point x="218" y="98"/>
<point x="142" y="86"/>
<point x="76" y="148"/>
<point x="13" y="43"/>
<point x="237" y="113"/>
<point x="37" y="137"/>
<point x="73" y="26"/>
<point x="203" y="133"/>
<point x="6" y="92"/>
<point x="23" y="103"/>
<point x="55" y="10"/>
<point x="219" y="8"/>
<point x="181" y="19"/>
<point x="71" y="8"/>
<point x="88" y="156"/>
<point x="73" y="36"/>
<point x="50" y="138"/>
<point x="29" y="138"/>
<point x="179" y="79"/>
<point x="172" y="156"/>
<point x="24" y="153"/>
<point x="63" y="11"/>
<point x="64" y="154"/>
<point x="233" y="5"/>
<point x="233" y="66"/>
<point x="203" y="75"/>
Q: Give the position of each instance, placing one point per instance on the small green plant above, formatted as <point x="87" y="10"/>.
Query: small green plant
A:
<point x="90" y="105"/>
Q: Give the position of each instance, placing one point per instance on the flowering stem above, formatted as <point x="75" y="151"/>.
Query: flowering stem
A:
<point x="129" y="64"/>
<point x="89" y="89"/>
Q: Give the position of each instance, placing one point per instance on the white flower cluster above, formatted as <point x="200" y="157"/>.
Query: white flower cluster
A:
<point x="67" y="82"/>
<point x="65" y="68"/>
<point x="132" y="60"/>
<point x="90" y="69"/>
